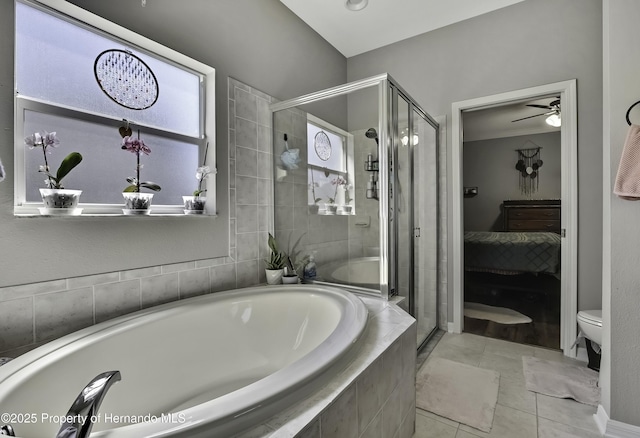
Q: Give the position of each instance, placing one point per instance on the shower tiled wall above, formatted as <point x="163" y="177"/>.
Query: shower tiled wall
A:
<point x="32" y="314"/>
<point x="327" y="237"/>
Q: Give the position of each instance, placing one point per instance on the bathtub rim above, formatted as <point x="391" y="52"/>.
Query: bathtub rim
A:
<point x="346" y="346"/>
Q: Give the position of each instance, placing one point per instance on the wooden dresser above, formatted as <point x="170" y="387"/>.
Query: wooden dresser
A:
<point x="538" y="215"/>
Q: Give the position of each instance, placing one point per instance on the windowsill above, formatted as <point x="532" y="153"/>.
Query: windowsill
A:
<point x="95" y="210"/>
<point x="87" y="215"/>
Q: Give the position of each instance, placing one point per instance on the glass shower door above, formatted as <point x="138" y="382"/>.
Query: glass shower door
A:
<point x="414" y="195"/>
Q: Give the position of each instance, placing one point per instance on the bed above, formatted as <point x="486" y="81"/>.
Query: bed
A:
<point x="510" y="253"/>
<point x="529" y="244"/>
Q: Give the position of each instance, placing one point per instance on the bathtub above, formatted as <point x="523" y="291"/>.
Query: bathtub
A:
<point x="361" y="272"/>
<point x="203" y="367"/>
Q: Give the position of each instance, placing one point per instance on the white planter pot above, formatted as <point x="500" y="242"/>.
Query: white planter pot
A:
<point x="274" y="276"/>
<point x="137" y="203"/>
<point x="194" y="204"/>
<point x="60" y="202"/>
<point x="290" y="279"/>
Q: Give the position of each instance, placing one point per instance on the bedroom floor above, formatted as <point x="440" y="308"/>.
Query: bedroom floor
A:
<point x="536" y="296"/>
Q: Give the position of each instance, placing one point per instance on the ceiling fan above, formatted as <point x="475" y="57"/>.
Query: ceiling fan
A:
<point x="553" y="116"/>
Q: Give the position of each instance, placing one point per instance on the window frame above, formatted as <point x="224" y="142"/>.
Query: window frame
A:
<point x="347" y="150"/>
<point x="94" y="23"/>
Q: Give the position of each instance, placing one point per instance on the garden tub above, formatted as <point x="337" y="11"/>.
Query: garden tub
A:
<point x="203" y="367"/>
<point x="361" y="272"/>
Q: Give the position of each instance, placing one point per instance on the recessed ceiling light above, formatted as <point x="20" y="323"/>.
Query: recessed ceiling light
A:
<point x="356" y="5"/>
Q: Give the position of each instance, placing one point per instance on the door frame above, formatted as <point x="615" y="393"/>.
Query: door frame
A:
<point x="569" y="199"/>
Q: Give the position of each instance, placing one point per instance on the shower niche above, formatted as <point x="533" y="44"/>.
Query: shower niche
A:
<point x="355" y="186"/>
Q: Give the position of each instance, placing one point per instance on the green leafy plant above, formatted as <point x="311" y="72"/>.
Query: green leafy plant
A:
<point x="277" y="259"/>
<point x="295" y="263"/>
<point x="45" y="141"/>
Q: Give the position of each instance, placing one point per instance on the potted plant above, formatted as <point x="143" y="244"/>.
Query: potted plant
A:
<point x="331" y="207"/>
<point x="135" y="201"/>
<point x="293" y="265"/>
<point x="275" y="263"/>
<point x="347" y="207"/>
<point x="314" y="208"/>
<point x="195" y="203"/>
<point x="56" y="199"/>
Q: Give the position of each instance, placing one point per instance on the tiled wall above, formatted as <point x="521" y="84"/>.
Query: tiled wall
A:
<point x="33" y="314"/>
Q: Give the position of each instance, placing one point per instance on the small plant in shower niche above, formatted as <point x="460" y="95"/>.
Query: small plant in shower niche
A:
<point x="137" y="202"/>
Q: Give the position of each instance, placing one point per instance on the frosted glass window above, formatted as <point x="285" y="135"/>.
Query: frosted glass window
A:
<point x="55" y="60"/>
<point x="326" y="149"/>
<point x="327" y="186"/>
<point x="105" y="166"/>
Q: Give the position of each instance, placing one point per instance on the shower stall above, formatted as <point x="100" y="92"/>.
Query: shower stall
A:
<point x="355" y="192"/>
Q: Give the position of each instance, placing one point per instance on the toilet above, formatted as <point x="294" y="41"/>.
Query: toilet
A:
<point x="590" y="324"/>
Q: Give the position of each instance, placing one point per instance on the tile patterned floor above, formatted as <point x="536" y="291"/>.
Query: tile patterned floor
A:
<point x="519" y="413"/>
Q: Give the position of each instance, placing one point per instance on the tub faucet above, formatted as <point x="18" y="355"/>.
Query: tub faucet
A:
<point x="79" y="418"/>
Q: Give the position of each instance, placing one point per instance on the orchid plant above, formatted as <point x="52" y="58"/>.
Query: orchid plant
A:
<point x="48" y="140"/>
<point x="137" y="146"/>
<point x="347" y="197"/>
<point x="202" y="173"/>
<point x="338" y="181"/>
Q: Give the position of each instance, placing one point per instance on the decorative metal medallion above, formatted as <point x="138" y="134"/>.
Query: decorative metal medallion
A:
<point x="322" y="145"/>
<point x="126" y="79"/>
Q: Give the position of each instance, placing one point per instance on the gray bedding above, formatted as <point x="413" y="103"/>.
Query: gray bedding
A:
<point x="511" y="252"/>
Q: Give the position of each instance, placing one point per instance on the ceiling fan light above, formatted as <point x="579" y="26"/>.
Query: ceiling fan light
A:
<point x="356" y="5"/>
<point x="554" y="120"/>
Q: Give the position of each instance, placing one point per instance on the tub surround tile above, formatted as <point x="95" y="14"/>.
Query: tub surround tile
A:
<point x="159" y="289"/>
<point x="290" y="422"/>
<point x="247" y="273"/>
<point x="139" y="273"/>
<point x="313" y="431"/>
<point x="195" y="282"/>
<point x="246" y="106"/>
<point x="116" y="299"/>
<point x="246" y="190"/>
<point x="247" y="219"/>
<point x="177" y="267"/>
<point x="92" y="280"/>
<point x="223" y="277"/>
<point x="61" y="313"/>
<point x="246" y="161"/>
<point x="246" y="133"/>
<point x="369" y="394"/>
<point x="27" y="290"/>
<point x="247" y="246"/>
<point x="16" y="323"/>
<point x="340" y="420"/>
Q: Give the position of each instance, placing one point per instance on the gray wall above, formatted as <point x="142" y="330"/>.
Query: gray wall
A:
<point x="251" y="41"/>
<point x="621" y="302"/>
<point x="531" y="43"/>
<point x="490" y="166"/>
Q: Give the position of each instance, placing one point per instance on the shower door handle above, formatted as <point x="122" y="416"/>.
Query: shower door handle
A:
<point x="416" y="232"/>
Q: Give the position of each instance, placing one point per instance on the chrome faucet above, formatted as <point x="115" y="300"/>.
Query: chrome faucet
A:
<point x="79" y="418"/>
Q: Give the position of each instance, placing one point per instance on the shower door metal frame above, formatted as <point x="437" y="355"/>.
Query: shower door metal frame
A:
<point x="387" y="89"/>
<point x="394" y="91"/>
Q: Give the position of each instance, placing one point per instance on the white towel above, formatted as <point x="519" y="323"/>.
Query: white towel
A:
<point x="627" y="184"/>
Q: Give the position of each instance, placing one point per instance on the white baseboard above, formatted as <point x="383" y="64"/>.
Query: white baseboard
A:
<point x="614" y="429"/>
<point x="450" y="327"/>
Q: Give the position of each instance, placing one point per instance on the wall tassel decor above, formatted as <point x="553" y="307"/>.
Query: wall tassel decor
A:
<point x="529" y="164"/>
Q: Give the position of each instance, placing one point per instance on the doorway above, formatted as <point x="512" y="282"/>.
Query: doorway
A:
<point x="566" y="91"/>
